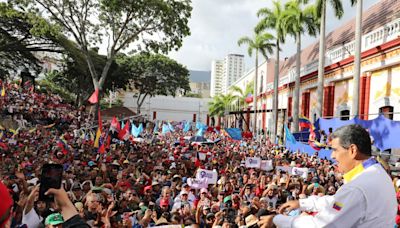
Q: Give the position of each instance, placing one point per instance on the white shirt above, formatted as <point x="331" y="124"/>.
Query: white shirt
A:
<point x="367" y="200"/>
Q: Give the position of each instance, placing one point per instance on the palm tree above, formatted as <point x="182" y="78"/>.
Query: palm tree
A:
<point x="273" y="19"/>
<point x="357" y="56"/>
<point x="321" y="12"/>
<point x="260" y="43"/>
<point x="297" y="22"/>
<point x="240" y="97"/>
<point x="219" y="105"/>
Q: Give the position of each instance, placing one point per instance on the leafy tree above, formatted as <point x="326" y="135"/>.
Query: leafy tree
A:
<point x="219" y="105"/>
<point x="299" y="20"/>
<point x="337" y="8"/>
<point x="240" y="97"/>
<point x="156" y="25"/>
<point x="262" y="42"/>
<point x="274" y="19"/>
<point x="22" y="36"/>
<point x="154" y="74"/>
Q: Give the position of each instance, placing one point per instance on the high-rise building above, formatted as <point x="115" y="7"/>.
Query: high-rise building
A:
<point x="225" y="72"/>
<point x="217" y="71"/>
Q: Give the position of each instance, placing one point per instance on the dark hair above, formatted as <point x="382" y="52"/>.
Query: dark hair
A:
<point x="354" y="134"/>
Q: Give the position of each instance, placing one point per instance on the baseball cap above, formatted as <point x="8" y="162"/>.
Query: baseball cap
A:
<point x="7" y="201"/>
<point x="54" y="219"/>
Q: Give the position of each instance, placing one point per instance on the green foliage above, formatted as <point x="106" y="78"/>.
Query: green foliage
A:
<point x="155" y="25"/>
<point x="218" y="106"/>
<point x="241" y="95"/>
<point x="261" y="42"/>
<point x="22" y="34"/>
<point x="273" y="19"/>
<point x="46" y="86"/>
<point x="298" y="20"/>
<point x="195" y="95"/>
<point x="154" y="74"/>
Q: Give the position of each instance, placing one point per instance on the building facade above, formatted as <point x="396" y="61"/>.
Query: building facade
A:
<point x="217" y="71"/>
<point x="170" y="108"/>
<point x="225" y="72"/>
<point x="380" y="73"/>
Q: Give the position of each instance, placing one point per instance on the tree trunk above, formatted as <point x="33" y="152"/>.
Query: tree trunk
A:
<point x="357" y="60"/>
<point x="140" y="102"/>
<point x="296" y="95"/>
<point x="255" y="96"/>
<point x="275" y="98"/>
<point x="321" y="62"/>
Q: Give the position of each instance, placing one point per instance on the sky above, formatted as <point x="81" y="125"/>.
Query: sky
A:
<point x="217" y="25"/>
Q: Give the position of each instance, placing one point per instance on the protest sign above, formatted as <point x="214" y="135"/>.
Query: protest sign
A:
<point x="210" y="175"/>
<point x="287" y="169"/>
<point x="266" y="165"/>
<point x="197" y="183"/>
<point x="303" y="172"/>
<point x="253" y="162"/>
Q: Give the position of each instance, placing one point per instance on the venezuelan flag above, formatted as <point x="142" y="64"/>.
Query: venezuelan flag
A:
<point x="306" y="123"/>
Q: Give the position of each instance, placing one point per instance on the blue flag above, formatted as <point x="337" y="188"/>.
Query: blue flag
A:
<point x="165" y="129"/>
<point x="234" y="133"/>
<point x="200" y="125"/>
<point x="135" y="131"/>
<point x="200" y="132"/>
<point x="187" y="127"/>
<point x="171" y="127"/>
<point x="289" y="136"/>
<point x="140" y="128"/>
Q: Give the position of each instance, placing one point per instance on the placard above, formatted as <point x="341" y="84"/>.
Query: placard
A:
<point x="303" y="172"/>
<point x="211" y="176"/>
<point x="287" y="169"/>
<point x="253" y="162"/>
<point x="266" y="165"/>
<point x="197" y="183"/>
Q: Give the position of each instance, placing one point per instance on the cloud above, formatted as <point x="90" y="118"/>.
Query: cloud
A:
<point x="216" y="26"/>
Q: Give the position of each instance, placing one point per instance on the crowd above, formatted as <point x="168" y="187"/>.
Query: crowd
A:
<point x="151" y="182"/>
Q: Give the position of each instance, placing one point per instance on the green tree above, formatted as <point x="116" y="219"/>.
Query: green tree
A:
<point x="22" y="36"/>
<point x="240" y="98"/>
<point x="299" y="20"/>
<point x="321" y="12"/>
<point x="274" y="19"/>
<point x="155" y="25"/>
<point x="154" y="74"/>
<point x="262" y="42"/>
<point x="219" y="105"/>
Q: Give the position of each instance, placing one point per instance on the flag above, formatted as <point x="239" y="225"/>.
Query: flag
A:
<point x="165" y="129"/>
<point x="171" y="127"/>
<point x="200" y="125"/>
<point x="3" y="91"/>
<point x="95" y="97"/>
<point x="306" y="123"/>
<point x="135" y="131"/>
<point x="316" y="145"/>
<point x="62" y="145"/>
<point x="289" y="136"/>
<point x="187" y="127"/>
<point x="200" y="132"/>
<point x="98" y="133"/>
<point x="115" y="125"/>
<point x="124" y="133"/>
<point x="97" y="139"/>
<point x="234" y="133"/>
<point x="140" y="128"/>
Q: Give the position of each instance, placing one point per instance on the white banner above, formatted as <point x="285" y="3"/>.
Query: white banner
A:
<point x="253" y="162"/>
<point x="266" y="165"/>
<point x="287" y="169"/>
<point x="303" y="172"/>
<point x="210" y="175"/>
<point x="202" y="156"/>
<point x="197" y="183"/>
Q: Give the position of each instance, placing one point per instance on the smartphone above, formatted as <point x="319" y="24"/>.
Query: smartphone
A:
<point x="51" y="178"/>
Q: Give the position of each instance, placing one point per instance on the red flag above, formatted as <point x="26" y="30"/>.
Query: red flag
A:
<point x="102" y="149"/>
<point x="95" y="97"/>
<point x="124" y="133"/>
<point x="115" y="125"/>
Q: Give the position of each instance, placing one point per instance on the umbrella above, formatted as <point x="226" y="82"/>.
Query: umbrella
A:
<point x="198" y="139"/>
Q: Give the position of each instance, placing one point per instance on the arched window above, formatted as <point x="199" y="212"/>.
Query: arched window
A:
<point x="387" y="111"/>
<point x="345" y="115"/>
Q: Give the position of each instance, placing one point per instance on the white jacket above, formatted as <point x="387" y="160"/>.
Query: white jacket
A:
<point x="367" y="200"/>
